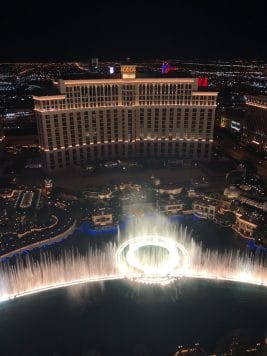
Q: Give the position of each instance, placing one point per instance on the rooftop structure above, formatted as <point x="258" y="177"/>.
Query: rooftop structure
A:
<point x="259" y="101"/>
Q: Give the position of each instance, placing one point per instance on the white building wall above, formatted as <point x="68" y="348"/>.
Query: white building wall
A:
<point x="104" y="119"/>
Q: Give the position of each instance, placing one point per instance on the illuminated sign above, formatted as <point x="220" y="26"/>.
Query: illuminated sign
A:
<point x="111" y="70"/>
<point x="128" y="69"/>
<point x="235" y="125"/>
<point x="202" y="82"/>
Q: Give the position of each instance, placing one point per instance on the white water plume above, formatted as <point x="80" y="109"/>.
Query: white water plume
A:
<point x="152" y="250"/>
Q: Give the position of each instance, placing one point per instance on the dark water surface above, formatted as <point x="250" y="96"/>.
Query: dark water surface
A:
<point x="117" y="318"/>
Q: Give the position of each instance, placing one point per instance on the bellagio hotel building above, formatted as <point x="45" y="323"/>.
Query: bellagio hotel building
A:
<point x="126" y="118"/>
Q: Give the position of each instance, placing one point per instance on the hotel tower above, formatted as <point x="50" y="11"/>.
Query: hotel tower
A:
<point x="130" y="117"/>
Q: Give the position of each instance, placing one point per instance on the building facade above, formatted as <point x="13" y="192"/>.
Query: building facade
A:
<point x="205" y="208"/>
<point x="249" y="123"/>
<point x="245" y="226"/>
<point x="171" y="206"/>
<point x="255" y="128"/>
<point x="102" y="218"/>
<point x="129" y="117"/>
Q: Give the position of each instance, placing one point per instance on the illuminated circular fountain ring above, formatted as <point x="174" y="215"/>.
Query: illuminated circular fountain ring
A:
<point x="152" y="259"/>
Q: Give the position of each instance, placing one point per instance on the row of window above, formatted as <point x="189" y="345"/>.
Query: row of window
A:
<point x="95" y="89"/>
<point x="75" y="156"/>
<point x="125" y="100"/>
<point x="65" y="130"/>
<point x="97" y="95"/>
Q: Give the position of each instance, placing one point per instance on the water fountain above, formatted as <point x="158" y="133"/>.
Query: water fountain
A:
<point x="151" y="250"/>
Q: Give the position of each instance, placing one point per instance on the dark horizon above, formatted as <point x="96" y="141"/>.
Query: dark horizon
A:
<point x="133" y="60"/>
<point x="118" y="30"/>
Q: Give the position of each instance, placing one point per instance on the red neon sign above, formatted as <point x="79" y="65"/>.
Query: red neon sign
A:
<point x="202" y="82"/>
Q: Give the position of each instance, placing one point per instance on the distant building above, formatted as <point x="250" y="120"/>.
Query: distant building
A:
<point x="205" y="208"/>
<point x="250" y="123"/>
<point x="245" y="226"/>
<point x="106" y="119"/>
<point x="102" y="217"/>
<point x="262" y="205"/>
<point x="170" y="206"/>
<point x="255" y="128"/>
<point x="19" y="120"/>
<point x="259" y="101"/>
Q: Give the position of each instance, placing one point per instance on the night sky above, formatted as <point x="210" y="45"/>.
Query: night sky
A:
<point x="44" y="30"/>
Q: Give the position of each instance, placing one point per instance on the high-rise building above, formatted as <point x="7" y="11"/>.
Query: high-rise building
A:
<point x="130" y="117"/>
<point x="250" y="123"/>
<point x="254" y="128"/>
